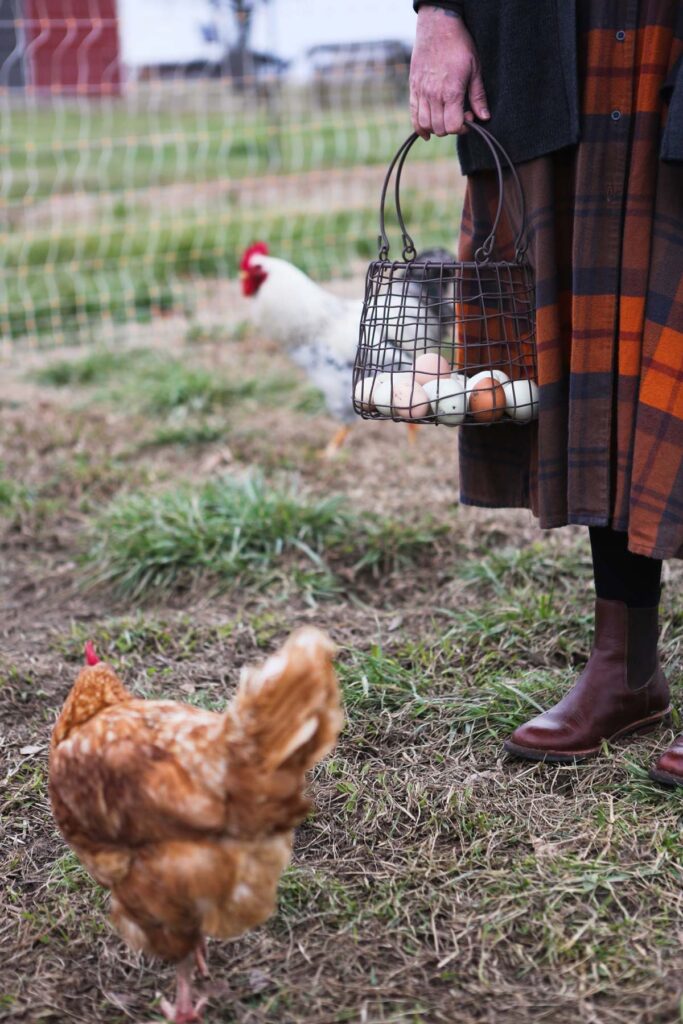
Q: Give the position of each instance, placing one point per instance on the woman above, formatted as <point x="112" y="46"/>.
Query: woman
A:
<point x="587" y="98"/>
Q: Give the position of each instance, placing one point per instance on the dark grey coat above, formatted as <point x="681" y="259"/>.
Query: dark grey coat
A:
<point x="527" y="50"/>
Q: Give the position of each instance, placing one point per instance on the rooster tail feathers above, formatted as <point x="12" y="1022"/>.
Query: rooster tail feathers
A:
<point x="287" y="712"/>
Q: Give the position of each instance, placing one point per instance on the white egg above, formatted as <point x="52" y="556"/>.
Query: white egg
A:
<point x="447" y="399"/>
<point x="498" y="376"/>
<point x="521" y="400"/>
<point x="363" y="393"/>
<point x="383" y="393"/>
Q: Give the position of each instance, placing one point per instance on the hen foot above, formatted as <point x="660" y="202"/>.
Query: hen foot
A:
<point x="175" y="1015"/>
<point x="184" y="1010"/>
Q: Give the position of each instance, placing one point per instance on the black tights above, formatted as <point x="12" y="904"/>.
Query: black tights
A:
<point x="621" y="575"/>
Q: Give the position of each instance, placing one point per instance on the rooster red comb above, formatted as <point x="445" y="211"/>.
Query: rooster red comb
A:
<point x="90" y="656"/>
<point x="259" y="248"/>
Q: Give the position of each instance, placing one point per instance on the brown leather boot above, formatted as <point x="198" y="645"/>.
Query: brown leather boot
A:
<point x="621" y="690"/>
<point x="669" y="768"/>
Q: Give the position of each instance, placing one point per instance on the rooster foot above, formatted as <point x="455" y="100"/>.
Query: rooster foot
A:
<point x="332" y="449"/>
<point x="412" y="432"/>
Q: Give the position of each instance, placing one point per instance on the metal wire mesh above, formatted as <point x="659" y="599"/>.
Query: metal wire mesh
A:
<point x="128" y="192"/>
<point x="443" y="341"/>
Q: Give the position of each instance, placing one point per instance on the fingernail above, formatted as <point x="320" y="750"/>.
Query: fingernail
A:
<point x="485" y="112"/>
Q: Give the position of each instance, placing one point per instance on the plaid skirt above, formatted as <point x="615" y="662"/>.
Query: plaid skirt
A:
<point x="606" y="243"/>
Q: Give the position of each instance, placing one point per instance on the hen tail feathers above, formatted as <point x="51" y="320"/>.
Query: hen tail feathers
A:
<point x="287" y="712"/>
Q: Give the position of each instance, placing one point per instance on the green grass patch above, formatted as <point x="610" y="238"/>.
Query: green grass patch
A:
<point x="186" y="436"/>
<point x="158" y="384"/>
<point x="242" y="531"/>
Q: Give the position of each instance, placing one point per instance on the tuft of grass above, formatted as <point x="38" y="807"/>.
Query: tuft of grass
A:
<point x="10" y="493"/>
<point x="96" y="367"/>
<point x="159" y="385"/>
<point x="189" y="434"/>
<point x="241" y="531"/>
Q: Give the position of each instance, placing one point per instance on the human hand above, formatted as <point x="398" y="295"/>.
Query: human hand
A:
<point x="444" y="73"/>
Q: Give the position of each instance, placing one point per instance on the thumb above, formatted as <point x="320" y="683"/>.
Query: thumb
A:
<point x="477" y="95"/>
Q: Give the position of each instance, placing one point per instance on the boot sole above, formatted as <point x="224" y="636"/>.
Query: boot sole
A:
<point x="665" y="778"/>
<point x="574" y="757"/>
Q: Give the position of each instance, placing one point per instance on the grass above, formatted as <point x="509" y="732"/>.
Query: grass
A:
<point x="158" y="384"/>
<point x="153" y="145"/>
<point x="241" y="532"/>
<point x="436" y="880"/>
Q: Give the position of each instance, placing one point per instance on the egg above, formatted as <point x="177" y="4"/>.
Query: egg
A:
<point x="382" y="393"/>
<point x="521" y="400"/>
<point x="486" y="400"/>
<point x="363" y="393"/>
<point x="498" y="376"/>
<point x="410" y="400"/>
<point x="447" y="399"/>
<point x="431" y="366"/>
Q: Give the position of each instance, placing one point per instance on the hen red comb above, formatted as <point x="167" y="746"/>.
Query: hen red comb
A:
<point x="258" y="247"/>
<point x="90" y="656"/>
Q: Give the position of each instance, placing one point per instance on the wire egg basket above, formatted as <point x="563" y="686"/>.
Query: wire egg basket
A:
<point x="445" y="341"/>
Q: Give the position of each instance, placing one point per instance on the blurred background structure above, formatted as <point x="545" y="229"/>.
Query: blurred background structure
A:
<point x="145" y="143"/>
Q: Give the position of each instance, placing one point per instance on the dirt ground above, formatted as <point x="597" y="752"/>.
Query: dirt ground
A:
<point x="436" y="881"/>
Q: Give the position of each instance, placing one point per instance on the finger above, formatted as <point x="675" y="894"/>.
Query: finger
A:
<point x="437" y="117"/>
<point x="453" y="117"/>
<point x="478" y="96"/>
<point x="413" y="113"/>
<point x="424" y="118"/>
<point x="414" y="110"/>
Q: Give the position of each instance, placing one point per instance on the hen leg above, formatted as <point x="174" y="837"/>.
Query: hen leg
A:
<point x="200" y="955"/>
<point x="183" y="1011"/>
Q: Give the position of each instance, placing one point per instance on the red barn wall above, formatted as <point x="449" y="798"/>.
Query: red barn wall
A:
<point x="72" y="46"/>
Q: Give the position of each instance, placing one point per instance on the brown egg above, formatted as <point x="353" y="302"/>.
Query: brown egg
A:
<point x="487" y="401"/>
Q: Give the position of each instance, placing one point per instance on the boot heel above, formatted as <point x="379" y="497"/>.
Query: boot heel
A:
<point x="642" y="728"/>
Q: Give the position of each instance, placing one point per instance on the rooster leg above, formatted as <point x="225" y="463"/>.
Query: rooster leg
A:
<point x="336" y="442"/>
<point x="200" y="955"/>
<point x="184" y="1011"/>
<point x="412" y="432"/>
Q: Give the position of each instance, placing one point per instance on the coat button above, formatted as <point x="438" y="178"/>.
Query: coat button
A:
<point x="616" y="115"/>
<point x="621" y="35"/>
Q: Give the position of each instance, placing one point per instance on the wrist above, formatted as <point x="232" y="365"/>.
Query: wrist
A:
<point x="448" y="9"/>
<point x="439" y="20"/>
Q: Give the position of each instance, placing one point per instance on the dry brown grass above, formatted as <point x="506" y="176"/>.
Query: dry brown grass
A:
<point x="436" y="881"/>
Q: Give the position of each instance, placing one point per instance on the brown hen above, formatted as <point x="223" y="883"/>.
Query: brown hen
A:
<point x="187" y="815"/>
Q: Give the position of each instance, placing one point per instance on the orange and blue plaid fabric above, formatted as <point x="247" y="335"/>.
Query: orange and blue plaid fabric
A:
<point x="606" y="232"/>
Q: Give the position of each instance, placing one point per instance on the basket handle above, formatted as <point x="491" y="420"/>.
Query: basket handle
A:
<point x="485" y="249"/>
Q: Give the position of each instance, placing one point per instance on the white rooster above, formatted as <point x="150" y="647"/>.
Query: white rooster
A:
<point x="318" y="330"/>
